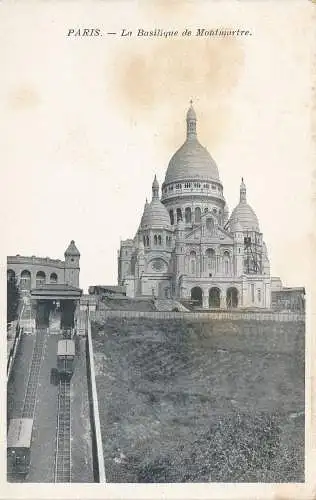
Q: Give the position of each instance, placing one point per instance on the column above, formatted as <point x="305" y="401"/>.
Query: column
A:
<point x="205" y="303"/>
<point x="223" y="304"/>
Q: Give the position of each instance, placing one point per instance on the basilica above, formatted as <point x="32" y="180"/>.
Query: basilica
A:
<point x="188" y="247"/>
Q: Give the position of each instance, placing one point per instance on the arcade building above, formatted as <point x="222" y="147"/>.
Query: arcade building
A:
<point x="188" y="247"/>
<point x="49" y="287"/>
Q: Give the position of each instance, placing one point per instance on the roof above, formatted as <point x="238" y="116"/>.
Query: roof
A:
<point x="20" y="433"/>
<point x="66" y="348"/>
<point x="97" y="289"/>
<point x="191" y="161"/>
<point x="56" y="290"/>
<point x="72" y="250"/>
<point x="246" y="217"/>
<point x="155" y="214"/>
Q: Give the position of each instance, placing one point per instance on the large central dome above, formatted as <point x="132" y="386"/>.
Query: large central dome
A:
<point x="192" y="161"/>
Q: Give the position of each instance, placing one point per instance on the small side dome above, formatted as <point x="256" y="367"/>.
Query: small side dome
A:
<point x="244" y="213"/>
<point x="155" y="213"/>
<point x="72" y="250"/>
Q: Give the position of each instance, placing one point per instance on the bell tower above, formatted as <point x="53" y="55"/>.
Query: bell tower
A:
<point x="72" y="267"/>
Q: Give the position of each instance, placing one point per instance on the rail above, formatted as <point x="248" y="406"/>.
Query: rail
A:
<point x="63" y="435"/>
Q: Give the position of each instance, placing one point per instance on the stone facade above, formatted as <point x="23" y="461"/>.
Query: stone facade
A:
<point x="187" y="246"/>
<point x="31" y="272"/>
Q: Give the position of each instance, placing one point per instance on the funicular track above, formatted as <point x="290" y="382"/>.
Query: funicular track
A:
<point x="29" y="404"/>
<point x="63" y="435"/>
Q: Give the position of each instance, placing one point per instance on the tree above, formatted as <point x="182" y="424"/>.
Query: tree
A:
<point x="13" y="298"/>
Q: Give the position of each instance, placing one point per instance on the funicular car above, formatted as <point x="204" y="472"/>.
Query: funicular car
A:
<point x="65" y="357"/>
<point x="19" y="446"/>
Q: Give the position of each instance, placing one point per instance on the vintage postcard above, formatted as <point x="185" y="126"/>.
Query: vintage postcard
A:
<point x="159" y="233"/>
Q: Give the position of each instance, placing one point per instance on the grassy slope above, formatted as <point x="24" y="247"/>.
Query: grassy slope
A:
<point x="184" y="401"/>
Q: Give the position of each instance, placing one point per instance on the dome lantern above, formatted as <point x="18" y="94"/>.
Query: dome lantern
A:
<point x="191" y="121"/>
<point x="243" y="191"/>
<point x="155" y="189"/>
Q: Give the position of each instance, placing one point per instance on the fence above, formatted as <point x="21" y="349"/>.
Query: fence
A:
<point x="201" y="316"/>
<point x="95" y="417"/>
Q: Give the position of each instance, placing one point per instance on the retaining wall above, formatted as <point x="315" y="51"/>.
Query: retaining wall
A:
<point x="95" y="418"/>
<point x="201" y="316"/>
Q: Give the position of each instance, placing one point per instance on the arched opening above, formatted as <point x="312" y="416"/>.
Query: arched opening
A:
<point x="159" y="239"/>
<point x="226" y="262"/>
<point x="232" y="298"/>
<point x="144" y="240"/>
<point x="40" y="278"/>
<point x="53" y="278"/>
<point x="155" y="239"/>
<point x="197" y="214"/>
<point x="25" y="282"/>
<point x="171" y="217"/>
<point x="10" y="275"/>
<point x="214" y="298"/>
<point x="187" y="215"/>
<point x="147" y="241"/>
<point x="179" y="214"/>
<point x="196" y="296"/>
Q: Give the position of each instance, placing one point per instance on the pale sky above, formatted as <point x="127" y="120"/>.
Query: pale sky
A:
<point x="89" y="121"/>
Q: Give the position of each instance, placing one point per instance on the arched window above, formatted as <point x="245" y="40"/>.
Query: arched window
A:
<point x="210" y="255"/>
<point x="53" y="278"/>
<point x="155" y="239"/>
<point x="210" y="224"/>
<point x="40" y="278"/>
<point x="197" y="214"/>
<point x="171" y="217"/>
<point x="187" y="214"/>
<point x="144" y="240"/>
<point x="205" y="210"/>
<point x="25" y="282"/>
<point x="179" y="214"/>
<point x="259" y="295"/>
<point x="10" y="275"/>
<point x="159" y="239"/>
<point x="226" y="262"/>
<point x="147" y="241"/>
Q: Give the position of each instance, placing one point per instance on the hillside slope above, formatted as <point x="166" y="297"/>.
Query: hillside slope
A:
<point x="184" y="401"/>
